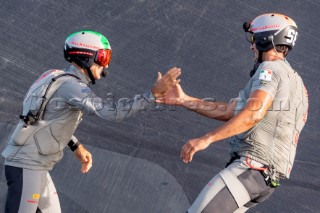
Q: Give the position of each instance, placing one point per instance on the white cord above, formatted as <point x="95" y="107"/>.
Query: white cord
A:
<point x="274" y="47"/>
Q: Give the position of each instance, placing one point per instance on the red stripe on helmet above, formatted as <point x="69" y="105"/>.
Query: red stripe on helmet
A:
<point x="80" y="52"/>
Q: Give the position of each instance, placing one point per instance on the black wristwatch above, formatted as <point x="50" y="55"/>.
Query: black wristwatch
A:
<point x="73" y="145"/>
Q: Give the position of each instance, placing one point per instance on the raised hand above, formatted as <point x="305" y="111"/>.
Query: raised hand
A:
<point x="166" y="82"/>
<point x="175" y="96"/>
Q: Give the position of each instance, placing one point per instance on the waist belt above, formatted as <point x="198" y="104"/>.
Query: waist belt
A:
<point x="264" y="170"/>
<point x="270" y="177"/>
<point x="254" y="164"/>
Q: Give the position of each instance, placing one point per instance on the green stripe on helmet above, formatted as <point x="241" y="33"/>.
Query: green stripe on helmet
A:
<point x="104" y="41"/>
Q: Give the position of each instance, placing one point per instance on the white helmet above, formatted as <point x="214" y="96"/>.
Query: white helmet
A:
<point x="87" y="46"/>
<point x="271" y="29"/>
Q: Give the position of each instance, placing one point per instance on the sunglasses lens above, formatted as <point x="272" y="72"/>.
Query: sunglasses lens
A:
<point x="103" y="57"/>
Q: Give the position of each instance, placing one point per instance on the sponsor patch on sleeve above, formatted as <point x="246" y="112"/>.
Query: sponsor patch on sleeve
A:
<point x="265" y="74"/>
<point x="84" y="88"/>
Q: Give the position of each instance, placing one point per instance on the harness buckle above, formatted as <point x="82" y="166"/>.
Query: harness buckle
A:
<point x="270" y="180"/>
<point x="28" y="119"/>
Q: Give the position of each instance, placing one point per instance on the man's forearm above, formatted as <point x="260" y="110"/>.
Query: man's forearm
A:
<point x="217" y="110"/>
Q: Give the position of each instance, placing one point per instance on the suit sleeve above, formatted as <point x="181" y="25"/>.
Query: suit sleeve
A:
<point x="81" y="96"/>
<point x="266" y="78"/>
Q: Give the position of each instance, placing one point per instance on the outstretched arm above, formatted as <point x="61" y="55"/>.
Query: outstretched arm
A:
<point x="217" y="110"/>
<point x="77" y="94"/>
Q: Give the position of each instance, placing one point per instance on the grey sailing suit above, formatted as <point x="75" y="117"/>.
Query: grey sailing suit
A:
<point x="39" y="147"/>
<point x="273" y="141"/>
<point x="270" y="146"/>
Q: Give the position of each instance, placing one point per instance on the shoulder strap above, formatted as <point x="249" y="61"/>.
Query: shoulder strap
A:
<point x="32" y="117"/>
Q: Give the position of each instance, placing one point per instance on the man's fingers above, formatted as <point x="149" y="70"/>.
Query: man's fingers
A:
<point x="177" y="82"/>
<point x="174" y="72"/>
<point x="173" y="69"/>
<point x="191" y="154"/>
<point x="160" y="100"/>
<point x="184" y="153"/>
<point x="89" y="158"/>
<point x="85" y="158"/>
<point x="159" y="76"/>
<point x="86" y="161"/>
<point x="173" y="78"/>
<point x="187" y="152"/>
<point x="187" y="155"/>
<point x="171" y="75"/>
<point x="86" y="167"/>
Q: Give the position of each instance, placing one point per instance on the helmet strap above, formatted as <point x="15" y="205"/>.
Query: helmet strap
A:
<point x="104" y="72"/>
<point x="93" y="80"/>
<point x="260" y="57"/>
<point x="256" y="65"/>
<point x="275" y="49"/>
<point x="254" y="69"/>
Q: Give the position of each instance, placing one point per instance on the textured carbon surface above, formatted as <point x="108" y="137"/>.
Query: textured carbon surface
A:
<point x="136" y="162"/>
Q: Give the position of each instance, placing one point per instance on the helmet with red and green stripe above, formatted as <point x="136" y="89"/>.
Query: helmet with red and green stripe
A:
<point x="87" y="47"/>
